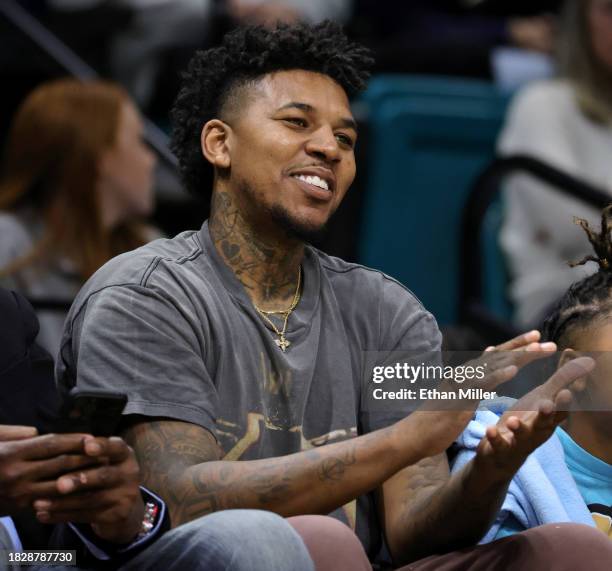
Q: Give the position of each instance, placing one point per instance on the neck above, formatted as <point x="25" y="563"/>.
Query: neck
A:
<point x="265" y="261"/>
<point x="591" y="430"/>
<point x="110" y="211"/>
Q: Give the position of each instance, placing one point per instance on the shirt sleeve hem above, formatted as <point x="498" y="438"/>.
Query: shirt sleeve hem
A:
<point x="174" y="411"/>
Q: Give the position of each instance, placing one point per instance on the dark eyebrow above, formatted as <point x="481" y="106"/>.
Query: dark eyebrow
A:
<point x="349" y="123"/>
<point x="297" y="105"/>
<point x="346" y="122"/>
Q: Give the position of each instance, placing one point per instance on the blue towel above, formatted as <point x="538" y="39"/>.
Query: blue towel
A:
<point x="542" y="491"/>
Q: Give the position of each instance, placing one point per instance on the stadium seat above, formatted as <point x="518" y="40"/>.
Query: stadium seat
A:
<point x="484" y="304"/>
<point x="429" y="138"/>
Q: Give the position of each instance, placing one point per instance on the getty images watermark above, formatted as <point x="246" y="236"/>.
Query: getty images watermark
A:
<point x="403" y="381"/>
<point x="417" y="375"/>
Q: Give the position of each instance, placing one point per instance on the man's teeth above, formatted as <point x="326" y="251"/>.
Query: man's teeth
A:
<point x="314" y="180"/>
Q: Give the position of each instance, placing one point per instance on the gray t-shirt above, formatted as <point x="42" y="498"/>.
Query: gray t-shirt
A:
<point x="171" y="325"/>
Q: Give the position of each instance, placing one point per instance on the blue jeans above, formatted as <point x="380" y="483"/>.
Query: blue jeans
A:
<point x="231" y="540"/>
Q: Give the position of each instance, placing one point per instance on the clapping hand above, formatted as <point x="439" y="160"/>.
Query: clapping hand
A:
<point x="532" y="420"/>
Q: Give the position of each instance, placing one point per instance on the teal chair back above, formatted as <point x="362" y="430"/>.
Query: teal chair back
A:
<point x="495" y="277"/>
<point x="386" y="86"/>
<point x="428" y="141"/>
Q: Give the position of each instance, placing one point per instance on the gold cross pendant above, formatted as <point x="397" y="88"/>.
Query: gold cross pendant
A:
<point x="282" y="343"/>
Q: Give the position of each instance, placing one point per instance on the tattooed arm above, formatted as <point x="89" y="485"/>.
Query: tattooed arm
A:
<point x="425" y="510"/>
<point x="181" y="462"/>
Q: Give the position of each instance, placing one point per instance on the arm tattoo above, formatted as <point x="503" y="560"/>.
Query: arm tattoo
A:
<point x="165" y="449"/>
<point x="334" y="468"/>
<point x="182" y="463"/>
<point x="439" y="512"/>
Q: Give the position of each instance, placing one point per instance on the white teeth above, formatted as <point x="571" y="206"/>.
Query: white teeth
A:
<point x="314" y="180"/>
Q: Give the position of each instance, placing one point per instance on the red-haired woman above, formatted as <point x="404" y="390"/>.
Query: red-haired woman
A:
<point x="76" y="179"/>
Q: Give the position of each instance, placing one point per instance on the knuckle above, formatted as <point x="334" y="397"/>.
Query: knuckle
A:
<point x="118" y="443"/>
<point x="9" y="449"/>
<point x="9" y="474"/>
<point x="133" y="471"/>
<point x="48" y="444"/>
<point x="106" y="475"/>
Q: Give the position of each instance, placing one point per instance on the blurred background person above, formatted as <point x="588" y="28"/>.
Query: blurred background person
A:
<point x="137" y="33"/>
<point x="455" y="37"/>
<point x="142" y="43"/>
<point x="269" y="12"/>
<point x="75" y="181"/>
<point x="567" y="123"/>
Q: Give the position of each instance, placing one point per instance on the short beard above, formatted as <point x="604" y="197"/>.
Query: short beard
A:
<point x="295" y="229"/>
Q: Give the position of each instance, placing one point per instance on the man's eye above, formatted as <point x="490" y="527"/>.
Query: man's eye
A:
<point x="296" y="121"/>
<point x="345" y="140"/>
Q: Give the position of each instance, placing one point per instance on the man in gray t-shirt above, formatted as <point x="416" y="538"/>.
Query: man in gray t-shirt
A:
<point x="241" y="348"/>
<point x="171" y="326"/>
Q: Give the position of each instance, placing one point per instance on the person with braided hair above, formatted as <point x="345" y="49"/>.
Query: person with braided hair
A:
<point x="581" y="322"/>
<point x="569" y="478"/>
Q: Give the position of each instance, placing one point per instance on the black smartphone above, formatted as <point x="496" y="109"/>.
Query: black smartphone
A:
<point x="94" y="412"/>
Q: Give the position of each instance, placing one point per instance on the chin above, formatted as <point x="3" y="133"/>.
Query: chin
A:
<point x="303" y="230"/>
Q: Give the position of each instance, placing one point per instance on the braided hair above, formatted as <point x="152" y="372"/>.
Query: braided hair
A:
<point x="215" y="77"/>
<point x="590" y="298"/>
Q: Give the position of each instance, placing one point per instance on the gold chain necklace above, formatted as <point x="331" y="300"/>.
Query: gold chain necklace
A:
<point x="282" y="341"/>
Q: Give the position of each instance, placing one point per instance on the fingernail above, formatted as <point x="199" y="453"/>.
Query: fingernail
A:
<point x="66" y="485"/>
<point x="548" y="346"/>
<point x="82" y="478"/>
<point x="93" y="448"/>
<point x="42" y="505"/>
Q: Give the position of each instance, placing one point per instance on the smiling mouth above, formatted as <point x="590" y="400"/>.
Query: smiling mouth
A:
<point x="313" y="180"/>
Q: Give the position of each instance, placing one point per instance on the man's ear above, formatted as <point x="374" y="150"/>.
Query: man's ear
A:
<point x="215" y="143"/>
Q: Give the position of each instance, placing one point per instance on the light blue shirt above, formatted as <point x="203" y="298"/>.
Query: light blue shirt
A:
<point x="593" y="477"/>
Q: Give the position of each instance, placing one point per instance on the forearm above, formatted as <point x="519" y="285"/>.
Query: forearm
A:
<point x="450" y="515"/>
<point x="315" y="481"/>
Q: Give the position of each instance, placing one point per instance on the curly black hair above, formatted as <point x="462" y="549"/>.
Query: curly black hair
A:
<point x="245" y="55"/>
<point x="590" y="298"/>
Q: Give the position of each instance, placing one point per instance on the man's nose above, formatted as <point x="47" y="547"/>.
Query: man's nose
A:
<point x="323" y="144"/>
